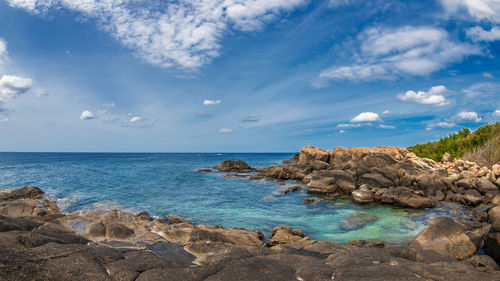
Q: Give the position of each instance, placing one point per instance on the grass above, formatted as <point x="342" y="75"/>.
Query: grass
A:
<point x="481" y="145"/>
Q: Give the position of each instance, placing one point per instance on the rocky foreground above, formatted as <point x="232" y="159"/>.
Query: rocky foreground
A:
<point x="39" y="243"/>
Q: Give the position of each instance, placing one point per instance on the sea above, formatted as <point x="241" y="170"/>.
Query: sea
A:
<point x="169" y="184"/>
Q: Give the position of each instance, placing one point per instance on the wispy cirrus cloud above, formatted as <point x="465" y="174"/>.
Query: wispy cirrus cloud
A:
<point x="387" y="53"/>
<point x="184" y="34"/>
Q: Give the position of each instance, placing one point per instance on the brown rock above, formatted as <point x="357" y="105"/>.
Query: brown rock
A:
<point x="118" y="231"/>
<point x="473" y="197"/>
<point x="239" y="166"/>
<point x="484" y="186"/>
<point x="484" y="261"/>
<point x="284" y="235"/>
<point x="446" y="237"/>
<point x="362" y="196"/>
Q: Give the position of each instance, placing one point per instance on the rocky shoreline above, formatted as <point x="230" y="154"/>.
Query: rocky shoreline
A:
<point x="40" y="243"/>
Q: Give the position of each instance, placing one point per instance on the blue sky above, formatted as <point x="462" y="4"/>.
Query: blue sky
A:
<point x="258" y="75"/>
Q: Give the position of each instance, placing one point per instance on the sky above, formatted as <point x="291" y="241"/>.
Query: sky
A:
<point x="244" y="76"/>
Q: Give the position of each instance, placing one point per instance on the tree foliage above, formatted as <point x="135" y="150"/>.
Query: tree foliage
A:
<point x="461" y="143"/>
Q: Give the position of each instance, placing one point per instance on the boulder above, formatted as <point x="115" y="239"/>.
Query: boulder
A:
<point x="234" y="166"/>
<point x="27" y="192"/>
<point x="308" y="153"/>
<point x="445" y="237"/>
<point x="96" y="229"/>
<point x="473" y="197"/>
<point x="494" y="214"/>
<point x="356" y="220"/>
<point x="285" y="235"/>
<point x="362" y="196"/>
<point x="484" y="261"/>
<point x="118" y="231"/>
<point x="375" y="180"/>
<point x="495" y="170"/>
<point x="492" y="245"/>
<point x="402" y="196"/>
<point x="484" y="186"/>
<point x="447" y="157"/>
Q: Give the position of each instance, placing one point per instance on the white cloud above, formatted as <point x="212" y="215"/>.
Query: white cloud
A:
<point x="338" y="3"/>
<point x="135" y="119"/>
<point x="488" y="75"/>
<point x="225" y="131"/>
<point x="348" y="125"/>
<point x="477" y="9"/>
<point x="466" y="117"/>
<point x="387" y="53"/>
<point x="366" y="117"/>
<point x="251" y="118"/>
<point x="109" y="105"/>
<point x="39" y="92"/>
<point x="182" y="33"/>
<point x="12" y="86"/>
<point x="496" y="113"/>
<point x="440" y="125"/>
<point x="388" y="127"/>
<point x="479" y="34"/>
<point x="385" y="112"/>
<point x="342" y="131"/>
<point x="485" y="88"/>
<point x="211" y="102"/>
<point x="87" y="115"/>
<point x="433" y="96"/>
<point x="3" y="53"/>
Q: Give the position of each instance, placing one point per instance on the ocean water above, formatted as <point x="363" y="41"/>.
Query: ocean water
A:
<point x="169" y="183"/>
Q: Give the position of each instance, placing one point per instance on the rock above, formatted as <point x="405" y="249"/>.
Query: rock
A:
<point x="356" y="220"/>
<point x="239" y="166"/>
<point x="402" y="196"/>
<point x="292" y="160"/>
<point x="495" y="170"/>
<point x="176" y="220"/>
<point x="204" y="171"/>
<point x="311" y="200"/>
<point x="376" y="180"/>
<point x="447" y="157"/>
<point x="492" y="245"/>
<point x="467" y="183"/>
<point x="285" y="235"/>
<point x="118" y="231"/>
<point x="484" y="186"/>
<point x="473" y="197"/>
<point x="362" y="196"/>
<point x="288" y="190"/>
<point x="357" y="243"/>
<point x="377" y="244"/>
<point x="445" y="237"/>
<point x="144" y="216"/>
<point x="96" y="229"/>
<point x="494" y="214"/>
<point x="27" y="192"/>
<point x="308" y="153"/>
<point x="484" y="261"/>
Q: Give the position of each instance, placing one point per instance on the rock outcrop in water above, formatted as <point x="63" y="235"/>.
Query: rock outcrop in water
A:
<point x="238" y="166"/>
<point x="389" y="175"/>
<point x="114" y="245"/>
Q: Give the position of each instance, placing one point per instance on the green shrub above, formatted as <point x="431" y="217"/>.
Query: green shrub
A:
<point x="465" y="142"/>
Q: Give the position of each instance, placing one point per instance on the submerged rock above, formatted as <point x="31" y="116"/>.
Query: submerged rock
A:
<point x="239" y="166"/>
<point x="290" y="189"/>
<point x="357" y="220"/>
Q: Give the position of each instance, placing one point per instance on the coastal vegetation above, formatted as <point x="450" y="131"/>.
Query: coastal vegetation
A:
<point x="481" y="146"/>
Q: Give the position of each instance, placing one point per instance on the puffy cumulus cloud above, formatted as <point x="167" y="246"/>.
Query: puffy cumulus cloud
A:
<point x="211" y="102"/>
<point x="348" y="125"/>
<point x="496" y="113"/>
<point x="443" y="124"/>
<point x="433" y="96"/>
<point x="466" y="117"/>
<point x="12" y="86"/>
<point x="182" y="33"/>
<point x="87" y="115"/>
<point x="226" y="131"/>
<point x="387" y="53"/>
<point x="477" y="9"/>
<point x="366" y="117"/>
<point x="479" y="34"/>
<point x="387" y="127"/>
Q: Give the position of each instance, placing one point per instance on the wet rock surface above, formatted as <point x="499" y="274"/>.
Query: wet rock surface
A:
<point x="115" y="245"/>
<point x="238" y="166"/>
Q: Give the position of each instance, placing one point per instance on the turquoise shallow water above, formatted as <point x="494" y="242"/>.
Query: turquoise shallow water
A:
<point x="169" y="184"/>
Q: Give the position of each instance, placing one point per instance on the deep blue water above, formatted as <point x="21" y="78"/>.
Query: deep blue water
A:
<point x="169" y="184"/>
